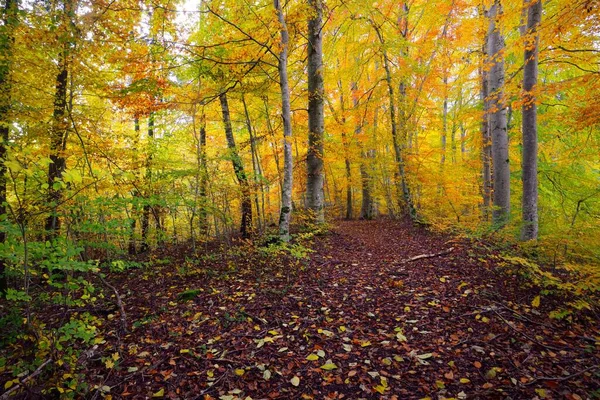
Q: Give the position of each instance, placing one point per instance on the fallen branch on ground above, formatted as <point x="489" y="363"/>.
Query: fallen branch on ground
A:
<point x="422" y="256"/>
<point x="561" y="378"/>
<point x="26" y="379"/>
<point x="119" y="303"/>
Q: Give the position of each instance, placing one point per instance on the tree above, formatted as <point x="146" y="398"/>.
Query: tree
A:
<point x="530" y="145"/>
<point x="314" y="158"/>
<point x="60" y="123"/>
<point x="9" y="23"/>
<point x="286" y="116"/>
<point x="498" y="121"/>
<point x="486" y="147"/>
<point x="238" y="168"/>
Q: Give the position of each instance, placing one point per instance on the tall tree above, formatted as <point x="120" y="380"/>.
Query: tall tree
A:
<point x="486" y="140"/>
<point x="498" y="121"/>
<point x="286" y="116"/>
<point x="147" y="208"/>
<point x="530" y="145"/>
<point x="9" y="23"/>
<point x="238" y="168"/>
<point x="316" y="124"/>
<point x="59" y="126"/>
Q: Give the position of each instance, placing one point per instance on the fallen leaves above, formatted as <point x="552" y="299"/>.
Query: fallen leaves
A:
<point x="365" y="338"/>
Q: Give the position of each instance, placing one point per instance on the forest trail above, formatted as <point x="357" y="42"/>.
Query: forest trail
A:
<point x="358" y="322"/>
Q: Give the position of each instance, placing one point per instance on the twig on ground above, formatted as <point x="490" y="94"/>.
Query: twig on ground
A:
<point x="422" y="256"/>
<point x="561" y="378"/>
<point x="529" y="337"/>
<point x="26" y="379"/>
<point x="119" y="303"/>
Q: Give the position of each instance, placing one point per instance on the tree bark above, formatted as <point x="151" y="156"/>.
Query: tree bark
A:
<point x="238" y="168"/>
<point x="9" y="19"/>
<point x="367" y="207"/>
<point x="59" y="128"/>
<point x="286" y="115"/>
<point x="498" y="121"/>
<point x="132" y="248"/>
<point x="486" y="139"/>
<point x="316" y="124"/>
<point x="256" y="172"/>
<point x="203" y="189"/>
<point x="530" y="144"/>
<point x="148" y="178"/>
<point x="404" y="197"/>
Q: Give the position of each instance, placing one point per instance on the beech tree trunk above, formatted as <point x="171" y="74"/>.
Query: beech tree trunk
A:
<point x="148" y="178"/>
<point x="59" y="127"/>
<point x="498" y="121"/>
<point x="530" y="145"/>
<point x="9" y="23"/>
<point x="316" y="124"/>
<point x="238" y="168"/>
<point x="486" y="139"/>
<point x="286" y="116"/>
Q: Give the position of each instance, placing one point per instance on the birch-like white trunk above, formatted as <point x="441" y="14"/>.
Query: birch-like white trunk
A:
<point x="316" y="124"/>
<point x="286" y="115"/>
<point x="497" y="118"/>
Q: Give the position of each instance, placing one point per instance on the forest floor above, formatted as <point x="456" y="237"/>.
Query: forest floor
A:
<point x="358" y="320"/>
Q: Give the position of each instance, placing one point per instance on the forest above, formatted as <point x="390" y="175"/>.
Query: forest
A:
<point x="300" y="199"/>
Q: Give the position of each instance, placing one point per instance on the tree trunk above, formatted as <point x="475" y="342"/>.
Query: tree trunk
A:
<point x="203" y="189"/>
<point x="316" y="124"/>
<point x="132" y="248"/>
<point x="238" y="168"/>
<point x="444" y="122"/>
<point x="286" y="116"/>
<point x="9" y="19"/>
<point x="530" y="75"/>
<point x="486" y="139"/>
<point x="255" y="163"/>
<point x="59" y="128"/>
<point x="498" y="121"/>
<point x="404" y="197"/>
<point x="146" y="209"/>
<point x="366" y="207"/>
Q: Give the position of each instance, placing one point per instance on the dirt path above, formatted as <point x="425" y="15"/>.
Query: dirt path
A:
<point x="357" y="323"/>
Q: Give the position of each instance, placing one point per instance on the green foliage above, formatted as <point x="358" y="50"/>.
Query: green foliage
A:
<point x="188" y="295"/>
<point x="578" y="284"/>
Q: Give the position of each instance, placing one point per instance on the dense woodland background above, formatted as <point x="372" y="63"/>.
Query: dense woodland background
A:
<point x="130" y="126"/>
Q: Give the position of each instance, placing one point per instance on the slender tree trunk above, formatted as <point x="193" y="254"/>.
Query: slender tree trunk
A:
<point x="348" y="169"/>
<point x="444" y="123"/>
<point x="498" y="121"/>
<point x="346" y="144"/>
<point x="238" y="168"/>
<point x="255" y="163"/>
<point x="486" y="139"/>
<point x="203" y="189"/>
<point x="367" y="204"/>
<point x="132" y="248"/>
<point x="274" y="147"/>
<point x="9" y="23"/>
<point x="59" y="128"/>
<point x="146" y="209"/>
<point x="530" y="75"/>
<point x="404" y="197"/>
<point x="316" y="124"/>
<point x="286" y="116"/>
